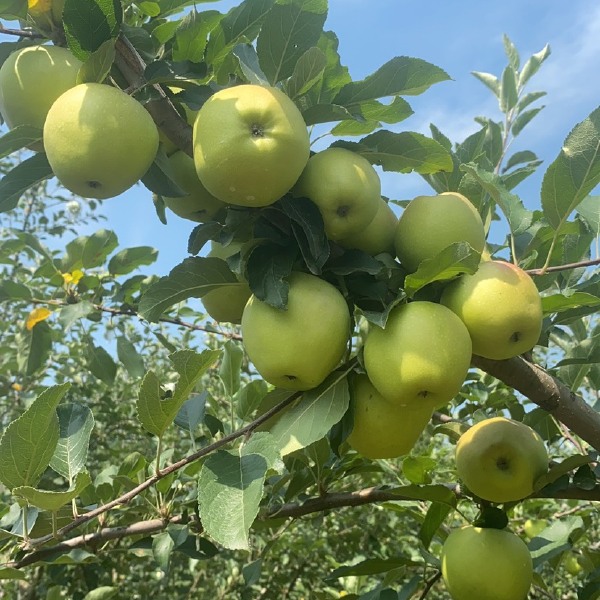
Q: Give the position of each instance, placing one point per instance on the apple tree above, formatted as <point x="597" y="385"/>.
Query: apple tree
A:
<point x="337" y="415"/>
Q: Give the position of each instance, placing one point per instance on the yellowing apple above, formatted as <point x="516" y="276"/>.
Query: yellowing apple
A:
<point x="421" y="357"/>
<point x="378" y="235"/>
<point x="99" y="141"/>
<point x="501" y="307"/>
<point x="199" y="205"/>
<point x="226" y="304"/>
<point x="486" y="564"/>
<point x="382" y="429"/>
<point x="431" y="223"/>
<point x="297" y="348"/>
<point x="499" y="459"/>
<point x="31" y="79"/>
<point x="250" y="144"/>
<point x="345" y="187"/>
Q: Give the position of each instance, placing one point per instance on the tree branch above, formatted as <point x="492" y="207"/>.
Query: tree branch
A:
<point x="548" y="393"/>
<point x="24" y="33"/>
<point x="576" y="265"/>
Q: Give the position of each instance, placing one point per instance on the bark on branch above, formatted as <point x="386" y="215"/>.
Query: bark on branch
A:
<point x="548" y="393"/>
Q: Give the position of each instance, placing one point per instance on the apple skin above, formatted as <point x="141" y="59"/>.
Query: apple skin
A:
<point x="490" y="564"/>
<point x="226" y="304"/>
<point x="431" y="223"/>
<point x="378" y="235"/>
<point x="31" y="79"/>
<point x="421" y="357"/>
<point x="499" y="459"/>
<point x="501" y="307"/>
<point x="199" y="205"/>
<point x="533" y="527"/>
<point x="345" y="187"/>
<point x="297" y="348"/>
<point x="250" y="144"/>
<point x="99" y="141"/>
<point x="382" y="429"/>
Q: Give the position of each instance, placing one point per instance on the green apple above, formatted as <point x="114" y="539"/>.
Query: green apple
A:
<point x="486" y="564"/>
<point x="345" y="187"/>
<point x="297" y="348"/>
<point x="421" y="357"/>
<point x="431" y="223"/>
<point x="499" y="459"/>
<point x="533" y="527"/>
<point x="250" y="144"/>
<point x="226" y="304"/>
<point x="31" y="79"/>
<point x="571" y="563"/>
<point x="501" y="307"/>
<point x="199" y="205"/>
<point x="99" y="141"/>
<point x="382" y="429"/>
<point x="378" y="235"/>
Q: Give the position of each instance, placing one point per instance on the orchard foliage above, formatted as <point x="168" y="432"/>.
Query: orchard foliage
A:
<point x="141" y="453"/>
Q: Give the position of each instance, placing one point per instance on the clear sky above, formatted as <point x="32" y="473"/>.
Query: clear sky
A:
<point x="459" y="36"/>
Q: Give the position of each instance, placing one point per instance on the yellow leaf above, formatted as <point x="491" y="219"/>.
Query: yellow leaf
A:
<point x="36" y="316"/>
<point x="76" y="276"/>
<point x="17" y="387"/>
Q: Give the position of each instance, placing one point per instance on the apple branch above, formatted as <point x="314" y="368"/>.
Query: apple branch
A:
<point x="548" y="393"/>
<point x="555" y="268"/>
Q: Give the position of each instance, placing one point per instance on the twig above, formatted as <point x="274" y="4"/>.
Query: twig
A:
<point x="575" y="265"/>
<point x="430" y="583"/>
<point x="24" y="33"/>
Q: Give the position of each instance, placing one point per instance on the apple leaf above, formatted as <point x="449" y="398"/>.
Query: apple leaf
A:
<point x="131" y="359"/>
<point x="18" y="138"/>
<point x="192" y="278"/>
<point x="456" y="259"/>
<point x="370" y="566"/>
<point x="155" y="412"/>
<point x="90" y="23"/>
<point x="574" y="173"/>
<point x="201" y="234"/>
<point x="192" y="412"/>
<point x="13" y="9"/>
<point x="555" y="539"/>
<point x="159" y="178"/>
<point x="561" y="302"/>
<point x="100" y="363"/>
<point x="192" y="33"/>
<point x="129" y="259"/>
<point x="97" y="67"/>
<point x="34" y="348"/>
<point x="28" y="443"/>
<point x="248" y="59"/>
<point x="288" y="31"/>
<point x="436" y="515"/>
<point x="568" y="464"/>
<point x="53" y="500"/>
<point x="589" y="209"/>
<point x="25" y="175"/>
<point x="308" y="70"/>
<point x="71" y="313"/>
<point x="402" y="152"/>
<point x="310" y="418"/>
<point x="10" y="572"/>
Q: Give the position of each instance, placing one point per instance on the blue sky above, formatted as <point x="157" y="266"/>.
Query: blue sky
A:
<point x="460" y="37"/>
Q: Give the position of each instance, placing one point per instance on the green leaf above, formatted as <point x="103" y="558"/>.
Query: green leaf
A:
<point x="192" y="278"/>
<point x="370" y="566"/>
<point x="402" y="152"/>
<point x="13" y="290"/>
<point x="25" y="175"/>
<point x="452" y="261"/>
<point x="104" y="592"/>
<point x="417" y="468"/>
<point x="436" y="515"/>
<point x="307" y="72"/>
<point x="430" y="493"/>
<point x="76" y="422"/>
<point x="162" y="549"/>
<point x="132" y="360"/>
<point x="28" y="443"/>
<point x="509" y="95"/>
<point x="13" y="9"/>
<point x="11" y="573"/>
<point x="192" y="411"/>
<point x="20" y="137"/>
<point x="518" y="158"/>
<point x="97" y="247"/>
<point x="313" y="415"/>
<point x="191" y="35"/>
<point x="248" y="398"/>
<point x="574" y="173"/>
<point x="369" y="114"/>
<point x="523" y="119"/>
<point x="231" y="365"/>
<point x="248" y="59"/>
<point x="154" y="412"/>
<point x="230" y="487"/>
<point x="100" y="363"/>
<point x="518" y="217"/>
<point x="34" y="348"/>
<point x="72" y="313"/>
<point x="511" y="53"/>
<point x="533" y="65"/>
<point x="489" y="80"/>
<point x="288" y="31"/>
<point x="90" y="23"/>
<point x="589" y="209"/>
<point x="401" y="76"/>
<point x="50" y="500"/>
<point x="568" y="464"/>
<point x="556" y="539"/>
<point x="528" y="99"/>
<point x="560" y="302"/>
<point x="98" y="65"/>
<point x="129" y="259"/>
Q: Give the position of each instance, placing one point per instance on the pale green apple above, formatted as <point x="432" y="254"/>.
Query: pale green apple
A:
<point x="226" y="303"/>
<point x="31" y="79"/>
<point x="99" y="141"/>
<point x="421" y="357"/>
<point x="431" y="223"/>
<point x="533" y="527"/>
<point x="378" y="235"/>
<point x="346" y="189"/>
<point x="199" y="205"/>
<point x="298" y="347"/>
<point x="486" y="564"/>
<point x="501" y="307"/>
<point x="382" y="429"/>
<point x="499" y="459"/>
<point x="250" y="144"/>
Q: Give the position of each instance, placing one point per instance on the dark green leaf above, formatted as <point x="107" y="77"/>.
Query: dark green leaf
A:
<point x="192" y="411"/>
<point x="18" y="138"/>
<point x="192" y="35"/>
<point x="97" y="248"/>
<point x="568" y="464"/>
<point x="249" y="397"/>
<point x="162" y="548"/>
<point x="201" y="234"/>
<point x="518" y="158"/>
<point x="307" y="72"/>
<point x="436" y="515"/>
<point x="25" y="175"/>
<point x="131" y="359"/>
<point x="97" y="67"/>
<point x="12" y="290"/>
<point x="129" y="259"/>
<point x="100" y="363"/>
<point x="53" y="500"/>
<point x="370" y="566"/>
<point x="34" y="348"/>
<point x="556" y="539"/>
<point x="246" y="55"/>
